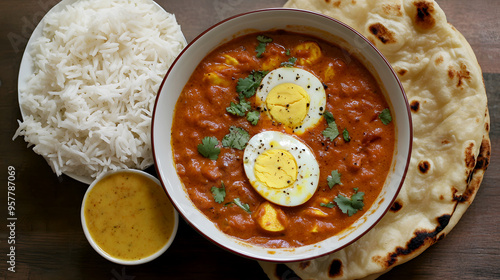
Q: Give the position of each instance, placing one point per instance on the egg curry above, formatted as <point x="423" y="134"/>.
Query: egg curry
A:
<point x="282" y="139"/>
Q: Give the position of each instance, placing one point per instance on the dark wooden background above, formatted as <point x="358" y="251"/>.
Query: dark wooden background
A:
<point x="50" y="243"/>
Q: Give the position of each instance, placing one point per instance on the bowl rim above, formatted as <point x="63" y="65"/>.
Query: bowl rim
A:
<point x="392" y="72"/>
<point x="103" y="253"/>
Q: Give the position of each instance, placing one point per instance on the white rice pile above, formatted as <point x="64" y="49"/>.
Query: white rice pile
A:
<point x="98" y="66"/>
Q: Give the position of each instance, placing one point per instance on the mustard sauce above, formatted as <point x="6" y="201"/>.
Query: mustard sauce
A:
<point x="129" y="216"/>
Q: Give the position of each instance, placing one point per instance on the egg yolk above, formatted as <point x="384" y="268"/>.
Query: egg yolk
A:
<point x="276" y="168"/>
<point x="288" y="104"/>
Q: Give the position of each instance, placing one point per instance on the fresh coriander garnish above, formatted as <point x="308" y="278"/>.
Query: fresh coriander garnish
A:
<point x="208" y="148"/>
<point x="243" y="206"/>
<point x="253" y="117"/>
<point x="331" y="132"/>
<point x="385" y="116"/>
<point x="246" y="89"/>
<point x="219" y="194"/>
<point x="328" y="205"/>
<point x="328" y="117"/>
<point x="350" y="206"/>
<point x="291" y="61"/>
<point x="239" y="109"/>
<point x="249" y="85"/>
<point x="261" y="47"/>
<point x="346" y="136"/>
<point x="334" y="179"/>
<point x="287" y="52"/>
<point x="237" y="138"/>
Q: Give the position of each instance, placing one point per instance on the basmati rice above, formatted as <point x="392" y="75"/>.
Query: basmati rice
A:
<point x="87" y="108"/>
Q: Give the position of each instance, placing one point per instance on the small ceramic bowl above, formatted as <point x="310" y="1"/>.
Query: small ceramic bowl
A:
<point x="94" y="240"/>
<point x="299" y="21"/>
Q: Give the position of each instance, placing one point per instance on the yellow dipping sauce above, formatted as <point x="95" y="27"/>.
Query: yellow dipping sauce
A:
<point x="129" y="216"/>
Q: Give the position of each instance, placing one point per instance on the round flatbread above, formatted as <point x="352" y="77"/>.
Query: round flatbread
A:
<point x="451" y="146"/>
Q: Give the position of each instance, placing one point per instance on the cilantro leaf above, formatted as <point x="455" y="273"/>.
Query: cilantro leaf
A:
<point x="334" y="179"/>
<point x="243" y="206"/>
<point x="237" y="138"/>
<point x="332" y="131"/>
<point x="350" y="206"/>
<point x="264" y="39"/>
<point x="208" y="148"/>
<point x="241" y="108"/>
<point x="346" y="136"/>
<point x="249" y="85"/>
<point x="328" y="205"/>
<point x="291" y="61"/>
<point x="261" y="47"/>
<point x="328" y="117"/>
<point x="385" y="116"/>
<point x="219" y="193"/>
<point x="287" y="52"/>
<point x="253" y="117"/>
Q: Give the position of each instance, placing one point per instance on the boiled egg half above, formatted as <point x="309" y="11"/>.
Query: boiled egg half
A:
<point x="293" y="97"/>
<point x="281" y="168"/>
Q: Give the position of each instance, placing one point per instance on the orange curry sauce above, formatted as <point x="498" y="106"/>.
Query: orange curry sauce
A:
<point x="353" y="97"/>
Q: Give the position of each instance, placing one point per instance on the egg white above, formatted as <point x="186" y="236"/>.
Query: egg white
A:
<point x="310" y="83"/>
<point x="308" y="168"/>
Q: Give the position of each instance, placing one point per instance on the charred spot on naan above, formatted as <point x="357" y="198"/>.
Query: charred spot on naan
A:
<point x="439" y="60"/>
<point x="385" y="35"/>
<point x="421" y="240"/>
<point x="335" y="268"/>
<point x="424" y="16"/>
<point x="486" y="124"/>
<point x="392" y="10"/>
<point x="414" y="106"/>
<point x="402" y="71"/>
<point x="475" y="177"/>
<point x="460" y="74"/>
<point x="396" y="206"/>
<point x="483" y="159"/>
<point x="470" y="158"/>
<point x="480" y="165"/>
<point x="424" y="166"/>
<point x="335" y="3"/>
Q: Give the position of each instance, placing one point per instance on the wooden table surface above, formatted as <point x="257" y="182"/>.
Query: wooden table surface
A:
<point x="50" y="243"/>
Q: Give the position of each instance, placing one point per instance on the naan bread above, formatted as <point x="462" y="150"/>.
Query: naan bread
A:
<point x="451" y="147"/>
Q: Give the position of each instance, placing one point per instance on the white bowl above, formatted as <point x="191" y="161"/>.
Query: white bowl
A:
<point x="302" y="22"/>
<point x="103" y="252"/>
